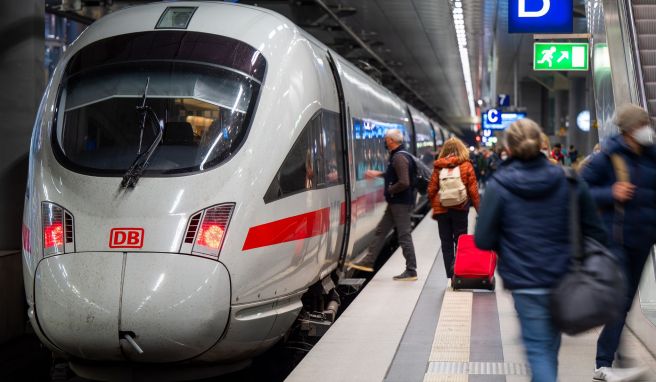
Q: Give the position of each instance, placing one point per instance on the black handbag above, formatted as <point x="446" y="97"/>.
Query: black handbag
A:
<point x="593" y="292"/>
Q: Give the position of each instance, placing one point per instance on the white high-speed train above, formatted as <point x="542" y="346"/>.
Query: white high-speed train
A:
<point x="195" y="169"/>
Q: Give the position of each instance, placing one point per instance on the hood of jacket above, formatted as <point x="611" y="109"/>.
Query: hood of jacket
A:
<point x="448" y="162"/>
<point x="530" y="179"/>
<point x="617" y="144"/>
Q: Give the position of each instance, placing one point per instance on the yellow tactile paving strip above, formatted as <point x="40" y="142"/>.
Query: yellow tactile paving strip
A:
<point x="452" y="335"/>
<point x="446" y="378"/>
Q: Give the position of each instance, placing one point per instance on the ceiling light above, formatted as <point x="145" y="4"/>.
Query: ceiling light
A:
<point x="461" y="36"/>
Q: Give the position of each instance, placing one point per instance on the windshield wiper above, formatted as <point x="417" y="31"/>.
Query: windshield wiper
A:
<point x="140" y="163"/>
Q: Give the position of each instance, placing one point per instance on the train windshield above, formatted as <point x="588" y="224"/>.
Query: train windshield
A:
<point x="202" y="87"/>
<point x="203" y="111"/>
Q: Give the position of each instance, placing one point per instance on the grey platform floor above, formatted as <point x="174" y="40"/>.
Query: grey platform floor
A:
<point x="387" y="333"/>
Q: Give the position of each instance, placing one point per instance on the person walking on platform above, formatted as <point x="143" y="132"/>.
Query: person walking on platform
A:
<point x="545" y="148"/>
<point x="622" y="180"/>
<point x="557" y="153"/>
<point x="582" y="163"/>
<point x="400" y="197"/>
<point x="521" y="218"/>
<point x="451" y="191"/>
<point x="573" y="155"/>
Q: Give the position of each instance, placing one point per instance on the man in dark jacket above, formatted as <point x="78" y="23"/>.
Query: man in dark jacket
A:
<point x="626" y="196"/>
<point x="400" y="197"/>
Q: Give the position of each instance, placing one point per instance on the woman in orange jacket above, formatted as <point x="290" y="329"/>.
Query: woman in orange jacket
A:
<point x="452" y="190"/>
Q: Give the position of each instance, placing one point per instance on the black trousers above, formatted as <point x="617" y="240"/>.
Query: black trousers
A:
<point x="451" y="225"/>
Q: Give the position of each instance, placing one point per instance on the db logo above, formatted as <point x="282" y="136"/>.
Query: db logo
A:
<point x="126" y="238"/>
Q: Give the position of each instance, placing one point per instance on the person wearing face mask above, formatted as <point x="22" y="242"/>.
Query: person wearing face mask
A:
<point x="545" y="148"/>
<point x="622" y="180"/>
<point x="503" y="155"/>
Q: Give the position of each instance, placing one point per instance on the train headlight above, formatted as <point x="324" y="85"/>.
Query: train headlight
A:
<point x="207" y="230"/>
<point x="58" y="231"/>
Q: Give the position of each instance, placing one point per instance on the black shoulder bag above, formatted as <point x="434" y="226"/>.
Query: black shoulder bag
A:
<point x="593" y="292"/>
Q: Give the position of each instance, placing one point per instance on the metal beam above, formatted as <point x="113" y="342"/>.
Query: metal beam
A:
<point x="565" y="36"/>
<point x="70" y="15"/>
<point x="376" y="57"/>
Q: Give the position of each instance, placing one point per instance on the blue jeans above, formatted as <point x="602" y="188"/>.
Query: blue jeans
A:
<point x="633" y="261"/>
<point x="541" y="339"/>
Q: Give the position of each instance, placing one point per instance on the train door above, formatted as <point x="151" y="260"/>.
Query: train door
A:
<point x="345" y="207"/>
<point x="433" y="134"/>
<point x="411" y="133"/>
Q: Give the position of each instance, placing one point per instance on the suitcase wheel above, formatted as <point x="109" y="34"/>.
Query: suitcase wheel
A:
<point x="493" y="284"/>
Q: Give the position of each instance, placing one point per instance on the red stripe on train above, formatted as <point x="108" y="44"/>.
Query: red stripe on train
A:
<point x="308" y="225"/>
<point x="297" y="227"/>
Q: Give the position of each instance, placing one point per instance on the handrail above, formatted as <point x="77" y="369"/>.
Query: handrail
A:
<point x="635" y="49"/>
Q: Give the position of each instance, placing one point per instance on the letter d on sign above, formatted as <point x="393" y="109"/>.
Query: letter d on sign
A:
<point x="119" y="237"/>
<point x="546" y="5"/>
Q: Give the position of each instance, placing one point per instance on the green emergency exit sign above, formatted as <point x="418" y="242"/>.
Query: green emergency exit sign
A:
<point x="560" y="56"/>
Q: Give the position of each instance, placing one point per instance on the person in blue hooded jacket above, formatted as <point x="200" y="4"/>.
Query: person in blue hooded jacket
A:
<point x="524" y="217"/>
<point x="626" y="196"/>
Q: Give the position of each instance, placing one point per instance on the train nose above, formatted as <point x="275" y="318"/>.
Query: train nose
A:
<point x="174" y="306"/>
<point x="76" y="303"/>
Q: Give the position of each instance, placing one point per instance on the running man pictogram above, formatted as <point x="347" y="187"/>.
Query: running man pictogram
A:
<point x="547" y="56"/>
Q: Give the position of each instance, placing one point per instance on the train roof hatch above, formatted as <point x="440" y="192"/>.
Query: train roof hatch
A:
<point x="175" y="18"/>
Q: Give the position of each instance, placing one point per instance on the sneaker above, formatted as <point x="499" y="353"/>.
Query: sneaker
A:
<point x="610" y="374"/>
<point x="407" y="275"/>
<point x="362" y="265"/>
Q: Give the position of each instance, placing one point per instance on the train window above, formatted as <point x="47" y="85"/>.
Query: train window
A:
<point x="202" y="110"/>
<point x="425" y="142"/>
<point x="298" y="171"/>
<point x="369" y="144"/>
<point x="314" y="161"/>
<point x="203" y="95"/>
<point x="332" y="149"/>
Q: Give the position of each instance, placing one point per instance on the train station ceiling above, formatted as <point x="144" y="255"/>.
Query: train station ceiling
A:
<point x="413" y="47"/>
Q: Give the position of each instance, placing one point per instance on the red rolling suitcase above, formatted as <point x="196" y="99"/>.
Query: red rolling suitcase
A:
<point x="473" y="268"/>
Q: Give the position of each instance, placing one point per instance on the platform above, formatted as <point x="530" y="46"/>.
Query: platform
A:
<point x="422" y="331"/>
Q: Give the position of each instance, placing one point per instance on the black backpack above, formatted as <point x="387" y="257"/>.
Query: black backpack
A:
<point x="422" y="174"/>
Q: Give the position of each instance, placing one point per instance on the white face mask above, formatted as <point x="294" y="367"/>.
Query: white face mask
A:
<point x="644" y="135"/>
<point x="545" y="152"/>
<point x="504" y="156"/>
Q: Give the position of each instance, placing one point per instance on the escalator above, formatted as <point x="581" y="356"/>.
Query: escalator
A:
<point x="644" y="14"/>
<point x="637" y="19"/>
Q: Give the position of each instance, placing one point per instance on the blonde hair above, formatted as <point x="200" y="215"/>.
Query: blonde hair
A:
<point x="629" y="117"/>
<point x="544" y="142"/>
<point x="523" y="139"/>
<point x="454" y="146"/>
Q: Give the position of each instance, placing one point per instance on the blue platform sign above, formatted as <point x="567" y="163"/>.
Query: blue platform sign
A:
<point x="494" y="119"/>
<point x="540" y="16"/>
<point x="503" y="100"/>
